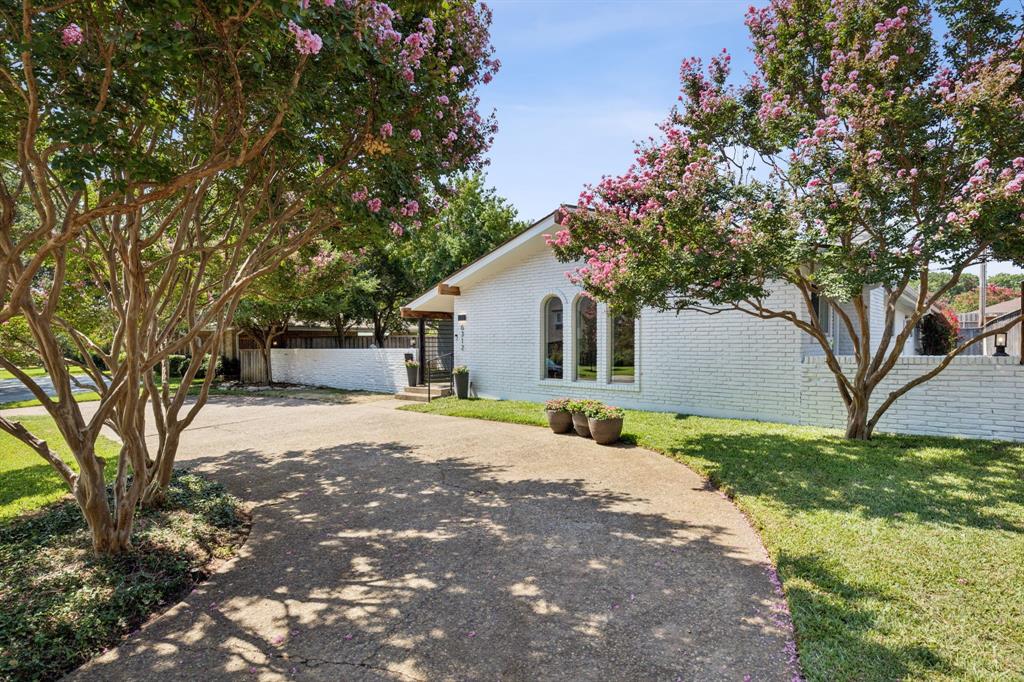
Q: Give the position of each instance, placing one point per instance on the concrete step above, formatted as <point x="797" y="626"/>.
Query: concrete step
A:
<point x="413" y="393"/>
<point x="414" y="397"/>
<point x="435" y="390"/>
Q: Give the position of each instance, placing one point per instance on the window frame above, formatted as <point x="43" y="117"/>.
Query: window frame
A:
<point x="576" y="345"/>
<point x="610" y="354"/>
<point x="545" y="341"/>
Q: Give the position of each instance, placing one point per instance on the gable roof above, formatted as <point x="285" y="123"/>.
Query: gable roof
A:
<point x="1011" y="306"/>
<point x="496" y="259"/>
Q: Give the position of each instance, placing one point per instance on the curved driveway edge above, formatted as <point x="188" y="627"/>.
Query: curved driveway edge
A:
<point x="397" y="545"/>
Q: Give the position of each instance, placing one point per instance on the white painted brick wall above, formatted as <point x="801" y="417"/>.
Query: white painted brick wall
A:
<point x="980" y="397"/>
<point x="723" y="365"/>
<point x="357" y="369"/>
<point x="728" y="365"/>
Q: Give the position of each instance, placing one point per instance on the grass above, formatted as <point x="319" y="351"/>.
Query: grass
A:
<point x="62" y="605"/>
<point x="901" y="558"/>
<point x="30" y="371"/>
<point x="28" y="481"/>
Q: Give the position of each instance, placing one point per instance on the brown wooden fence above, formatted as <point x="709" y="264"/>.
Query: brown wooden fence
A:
<point x="252" y="369"/>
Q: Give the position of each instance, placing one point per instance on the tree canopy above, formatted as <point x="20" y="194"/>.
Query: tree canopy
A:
<point x="161" y="157"/>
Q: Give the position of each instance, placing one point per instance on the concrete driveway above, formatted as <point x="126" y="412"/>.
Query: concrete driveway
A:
<point x="389" y="545"/>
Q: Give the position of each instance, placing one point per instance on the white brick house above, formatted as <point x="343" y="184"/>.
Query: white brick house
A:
<point x="525" y="332"/>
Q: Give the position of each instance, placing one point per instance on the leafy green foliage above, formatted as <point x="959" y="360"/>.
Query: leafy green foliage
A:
<point x="472" y="220"/>
<point x="62" y="605"/>
<point x="900" y="557"/>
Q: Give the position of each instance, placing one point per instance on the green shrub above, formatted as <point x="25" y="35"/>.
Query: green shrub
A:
<point x="62" y="605"/>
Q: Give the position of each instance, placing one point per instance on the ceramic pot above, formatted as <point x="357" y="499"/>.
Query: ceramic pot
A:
<point x="579" y="423"/>
<point x="605" y="431"/>
<point x="560" y="421"/>
<point x="462" y="386"/>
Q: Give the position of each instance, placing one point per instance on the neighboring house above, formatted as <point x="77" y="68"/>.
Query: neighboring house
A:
<point x="304" y="335"/>
<point x="996" y="315"/>
<point x="526" y="332"/>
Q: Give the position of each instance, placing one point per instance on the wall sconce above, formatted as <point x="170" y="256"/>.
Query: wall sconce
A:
<point x="462" y="330"/>
<point x="1000" y="346"/>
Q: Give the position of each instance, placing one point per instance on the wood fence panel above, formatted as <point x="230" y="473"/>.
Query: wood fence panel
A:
<point x="252" y="368"/>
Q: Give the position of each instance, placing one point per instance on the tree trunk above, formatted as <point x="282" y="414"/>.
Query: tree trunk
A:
<point x="857" y="427"/>
<point x="160" y="477"/>
<point x="378" y="330"/>
<point x="268" y="366"/>
<point x="91" y="493"/>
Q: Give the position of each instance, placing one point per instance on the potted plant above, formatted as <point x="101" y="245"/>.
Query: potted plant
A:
<point x="412" y="371"/>
<point x="559" y="417"/>
<point x="461" y="375"/>
<point x="579" y="408"/>
<point x="605" y="423"/>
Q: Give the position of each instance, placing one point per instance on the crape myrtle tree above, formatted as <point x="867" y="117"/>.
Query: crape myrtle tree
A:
<point x="864" y="150"/>
<point x="160" y="157"/>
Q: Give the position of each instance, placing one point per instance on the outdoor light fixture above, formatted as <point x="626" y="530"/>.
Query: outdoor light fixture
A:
<point x="1000" y="346"/>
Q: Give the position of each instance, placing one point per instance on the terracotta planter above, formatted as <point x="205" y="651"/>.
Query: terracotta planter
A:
<point x="559" y="421"/>
<point x="462" y="386"/>
<point x="605" y="431"/>
<point x="579" y="423"/>
<point x="412" y="374"/>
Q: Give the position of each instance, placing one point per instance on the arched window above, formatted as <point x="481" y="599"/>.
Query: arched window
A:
<point x="586" y="339"/>
<point x="553" y="339"/>
<point x="623" y="349"/>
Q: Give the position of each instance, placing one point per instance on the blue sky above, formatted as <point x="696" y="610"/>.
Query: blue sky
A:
<point x="581" y="80"/>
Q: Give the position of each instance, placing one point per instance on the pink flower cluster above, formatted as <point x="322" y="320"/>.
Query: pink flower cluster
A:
<point x="71" y="35"/>
<point x="306" y="42"/>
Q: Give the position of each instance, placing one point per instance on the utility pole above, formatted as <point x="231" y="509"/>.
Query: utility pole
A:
<point x="983" y="303"/>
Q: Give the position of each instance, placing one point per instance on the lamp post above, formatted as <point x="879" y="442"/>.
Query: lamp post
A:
<point x="1000" y="344"/>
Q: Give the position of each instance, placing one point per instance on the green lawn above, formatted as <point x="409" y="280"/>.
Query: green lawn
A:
<point x="28" y="481"/>
<point x="901" y="558"/>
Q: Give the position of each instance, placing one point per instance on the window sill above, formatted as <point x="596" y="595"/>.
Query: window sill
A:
<point x="591" y="385"/>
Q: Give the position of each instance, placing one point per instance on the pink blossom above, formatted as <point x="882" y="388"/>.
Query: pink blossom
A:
<point x="415" y="134"/>
<point x="374" y="205"/>
<point x="386" y="130"/>
<point x="815" y="182"/>
<point x="71" y="35"/>
<point x="874" y="156"/>
<point x="397" y="229"/>
<point x="306" y="42"/>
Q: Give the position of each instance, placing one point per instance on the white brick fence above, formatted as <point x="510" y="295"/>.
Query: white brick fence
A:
<point x="357" y="369"/>
<point x="979" y="397"/>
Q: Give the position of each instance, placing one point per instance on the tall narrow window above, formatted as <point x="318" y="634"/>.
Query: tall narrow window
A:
<point x="623" y="349"/>
<point x="553" y="339"/>
<point x="823" y="313"/>
<point x="586" y="339"/>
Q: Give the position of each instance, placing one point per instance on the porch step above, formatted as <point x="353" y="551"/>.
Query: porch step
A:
<point x="419" y="393"/>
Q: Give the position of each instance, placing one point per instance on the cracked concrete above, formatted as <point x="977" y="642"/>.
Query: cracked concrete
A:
<point x="390" y="545"/>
